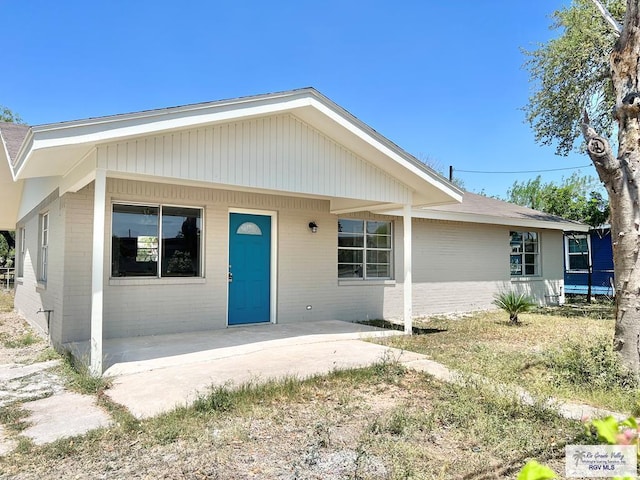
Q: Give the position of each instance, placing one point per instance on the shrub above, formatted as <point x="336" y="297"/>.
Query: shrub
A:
<point x="594" y="366"/>
<point x="513" y="303"/>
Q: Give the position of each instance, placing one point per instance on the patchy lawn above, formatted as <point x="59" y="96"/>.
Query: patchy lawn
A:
<point x="564" y="353"/>
<point x="381" y="422"/>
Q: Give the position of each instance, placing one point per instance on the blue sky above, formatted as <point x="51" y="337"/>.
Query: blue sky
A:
<point x="443" y="80"/>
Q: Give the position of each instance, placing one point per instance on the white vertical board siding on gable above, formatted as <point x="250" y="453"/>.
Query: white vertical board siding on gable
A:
<point x="276" y="153"/>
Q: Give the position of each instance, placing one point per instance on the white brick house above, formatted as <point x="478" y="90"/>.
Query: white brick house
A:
<point x="274" y="208"/>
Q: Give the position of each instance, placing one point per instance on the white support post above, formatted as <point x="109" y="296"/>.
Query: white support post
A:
<point x="408" y="281"/>
<point x="97" y="271"/>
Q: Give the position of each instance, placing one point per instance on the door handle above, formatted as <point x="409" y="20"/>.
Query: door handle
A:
<point x="230" y="277"/>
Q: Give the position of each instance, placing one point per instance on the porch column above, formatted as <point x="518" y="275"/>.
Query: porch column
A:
<point x="97" y="270"/>
<point x="408" y="282"/>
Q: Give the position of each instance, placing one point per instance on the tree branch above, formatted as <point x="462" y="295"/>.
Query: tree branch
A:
<point x="613" y="23"/>
<point x="599" y="150"/>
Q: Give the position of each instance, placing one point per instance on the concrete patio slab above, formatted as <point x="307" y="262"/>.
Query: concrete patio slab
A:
<point x="124" y="356"/>
<point x="63" y="415"/>
<point x="28" y="382"/>
<point x="150" y="393"/>
<point x="11" y="371"/>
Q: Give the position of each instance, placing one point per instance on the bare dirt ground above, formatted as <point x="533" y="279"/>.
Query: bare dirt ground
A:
<point x="13" y="332"/>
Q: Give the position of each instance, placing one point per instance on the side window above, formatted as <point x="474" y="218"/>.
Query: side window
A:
<point x="44" y="247"/>
<point x="577" y="252"/>
<point x="524" y="258"/>
<point x="22" y="250"/>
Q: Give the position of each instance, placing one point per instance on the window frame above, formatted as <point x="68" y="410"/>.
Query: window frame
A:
<point x="159" y="276"/>
<point x="365" y="249"/>
<point x="567" y="254"/>
<point x="21" y="253"/>
<point x="538" y="254"/>
<point x="43" y="250"/>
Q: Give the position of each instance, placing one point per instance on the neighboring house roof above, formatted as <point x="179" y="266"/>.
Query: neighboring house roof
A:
<point x="480" y="209"/>
<point x="12" y="135"/>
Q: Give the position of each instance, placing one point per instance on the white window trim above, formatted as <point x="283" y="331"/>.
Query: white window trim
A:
<point x="157" y="279"/>
<point x="43" y="262"/>
<point x="567" y="239"/>
<point x="20" y="257"/>
<point x="538" y="254"/>
<point x="391" y="249"/>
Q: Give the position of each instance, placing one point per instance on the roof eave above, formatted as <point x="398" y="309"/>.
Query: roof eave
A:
<point x="495" y="220"/>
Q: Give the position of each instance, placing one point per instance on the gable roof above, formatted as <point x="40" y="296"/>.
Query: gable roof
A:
<point x="54" y="149"/>
<point x="12" y="136"/>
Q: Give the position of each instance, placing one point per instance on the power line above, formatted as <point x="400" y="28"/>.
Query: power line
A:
<point x="525" y="171"/>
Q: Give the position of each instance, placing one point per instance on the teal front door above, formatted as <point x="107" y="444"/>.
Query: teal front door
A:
<point x="249" y="268"/>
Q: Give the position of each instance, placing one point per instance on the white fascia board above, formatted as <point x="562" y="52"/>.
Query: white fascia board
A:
<point x="135" y="126"/>
<point x="23" y="155"/>
<point x="455" y="194"/>
<point x="91" y="132"/>
<point x="490" y="220"/>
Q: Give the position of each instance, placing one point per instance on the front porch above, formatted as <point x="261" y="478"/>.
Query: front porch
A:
<point x="153" y="375"/>
<point x="125" y="356"/>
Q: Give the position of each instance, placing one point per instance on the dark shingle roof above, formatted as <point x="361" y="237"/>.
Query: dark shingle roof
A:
<point x="13" y="134"/>
<point x="481" y="205"/>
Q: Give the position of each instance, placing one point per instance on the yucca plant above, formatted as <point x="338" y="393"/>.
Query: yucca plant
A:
<point x="513" y="303"/>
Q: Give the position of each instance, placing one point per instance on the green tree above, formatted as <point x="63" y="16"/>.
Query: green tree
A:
<point x="7" y="115"/>
<point x="7" y="252"/>
<point x="586" y="82"/>
<point x="575" y="198"/>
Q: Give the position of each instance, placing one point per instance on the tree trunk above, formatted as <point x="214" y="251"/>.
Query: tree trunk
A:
<point x="620" y="176"/>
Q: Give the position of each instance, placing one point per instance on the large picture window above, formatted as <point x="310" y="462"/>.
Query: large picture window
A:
<point x="525" y="254"/>
<point x="156" y="241"/>
<point x="577" y="252"/>
<point x="364" y="249"/>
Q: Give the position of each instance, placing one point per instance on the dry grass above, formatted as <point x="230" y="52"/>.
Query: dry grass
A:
<point x="487" y="344"/>
<point x="381" y="422"/>
<point x="6" y="301"/>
